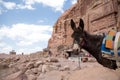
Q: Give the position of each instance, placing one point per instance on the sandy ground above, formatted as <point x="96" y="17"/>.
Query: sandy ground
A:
<point x="95" y="73"/>
<point x="88" y="71"/>
<point x="68" y="70"/>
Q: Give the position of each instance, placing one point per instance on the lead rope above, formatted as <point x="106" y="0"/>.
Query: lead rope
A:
<point x="79" y="57"/>
<point x="77" y="46"/>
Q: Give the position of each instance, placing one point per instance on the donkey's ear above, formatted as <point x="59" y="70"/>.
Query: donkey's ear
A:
<point x="73" y="26"/>
<point x="81" y="24"/>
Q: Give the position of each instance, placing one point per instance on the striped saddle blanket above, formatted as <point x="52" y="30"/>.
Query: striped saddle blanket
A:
<point x="111" y="44"/>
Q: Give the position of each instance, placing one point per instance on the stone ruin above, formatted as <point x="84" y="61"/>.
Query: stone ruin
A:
<point x="12" y="52"/>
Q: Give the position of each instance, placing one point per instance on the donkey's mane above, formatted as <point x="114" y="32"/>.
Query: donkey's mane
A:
<point x="93" y="36"/>
<point x="93" y="41"/>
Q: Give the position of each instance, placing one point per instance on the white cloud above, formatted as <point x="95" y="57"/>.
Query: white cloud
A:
<point x="8" y="5"/>
<point x="2" y="44"/>
<point x="12" y="5"/>
<point x="57" y="5"/>
<point x="26" y="34"/>
<point x="20" y="6"/>
<point x="73" y="1"/>
<point x="24" y="37"/>
<point x="40" y="21"/>
<point x="5" y="48"/>
<point x="2" y="10"/>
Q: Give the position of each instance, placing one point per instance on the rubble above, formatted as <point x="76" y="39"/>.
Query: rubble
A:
<point x="54" y="68"/>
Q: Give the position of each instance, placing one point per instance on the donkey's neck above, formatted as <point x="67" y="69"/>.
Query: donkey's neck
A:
<point x="93" y="44"/>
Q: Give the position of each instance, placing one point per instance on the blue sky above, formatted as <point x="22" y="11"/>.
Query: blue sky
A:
<point x="26" y="25"/>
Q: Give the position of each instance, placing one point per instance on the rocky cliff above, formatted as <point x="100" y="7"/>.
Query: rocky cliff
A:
<point x="99" y="16"/>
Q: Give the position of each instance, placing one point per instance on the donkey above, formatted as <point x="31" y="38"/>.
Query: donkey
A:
<point x="91" y="43"/>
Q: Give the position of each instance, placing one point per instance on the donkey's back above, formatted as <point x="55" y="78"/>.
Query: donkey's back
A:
<point x="111" y="46"/>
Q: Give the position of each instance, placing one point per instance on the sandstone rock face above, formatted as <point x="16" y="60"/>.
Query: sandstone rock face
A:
<point x="99" y="16"/>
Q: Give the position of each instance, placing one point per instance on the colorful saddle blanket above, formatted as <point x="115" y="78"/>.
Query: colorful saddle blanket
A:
<point x="108" y="43"/>
<point x="110" y="39"/>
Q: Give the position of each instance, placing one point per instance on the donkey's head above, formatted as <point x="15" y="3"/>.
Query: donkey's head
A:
<point x="78" y="33"/>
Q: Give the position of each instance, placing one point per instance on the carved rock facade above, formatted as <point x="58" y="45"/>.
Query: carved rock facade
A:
<point x="99" y="16"/>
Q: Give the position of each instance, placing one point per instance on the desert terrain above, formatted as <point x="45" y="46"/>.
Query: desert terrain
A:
<point x="35" y="67"/>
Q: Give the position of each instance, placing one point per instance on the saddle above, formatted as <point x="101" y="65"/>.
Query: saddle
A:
<point x="111" y="45"/>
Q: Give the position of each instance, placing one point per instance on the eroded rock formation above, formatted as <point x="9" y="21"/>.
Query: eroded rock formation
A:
<point x="99" y="16"/>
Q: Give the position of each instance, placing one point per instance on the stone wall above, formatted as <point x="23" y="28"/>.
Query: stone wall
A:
<point x="12" y="52"/>
<point x="99" y="16"/>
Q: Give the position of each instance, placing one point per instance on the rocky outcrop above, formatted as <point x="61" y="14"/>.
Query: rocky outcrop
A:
<point x="52" y="68"/>
<point x="99" y="16"/>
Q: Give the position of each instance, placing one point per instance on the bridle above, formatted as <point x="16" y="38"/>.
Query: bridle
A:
<point x="78" y="45"/>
